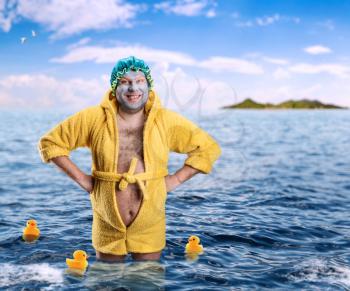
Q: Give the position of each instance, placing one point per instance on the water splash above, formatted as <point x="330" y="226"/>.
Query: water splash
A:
<point x="316" y="270"/>
<point x="12" y="275"/>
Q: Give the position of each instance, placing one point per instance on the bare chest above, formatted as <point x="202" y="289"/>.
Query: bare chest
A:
<point x="130" y="145"/>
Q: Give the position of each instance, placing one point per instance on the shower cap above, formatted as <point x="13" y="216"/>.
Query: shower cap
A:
<point x="127" y="64"/>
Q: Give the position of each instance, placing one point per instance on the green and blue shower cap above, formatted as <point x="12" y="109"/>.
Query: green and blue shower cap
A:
<point x="127" y="64"/>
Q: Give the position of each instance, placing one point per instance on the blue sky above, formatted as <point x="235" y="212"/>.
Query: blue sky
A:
<point x="223" y="51"/>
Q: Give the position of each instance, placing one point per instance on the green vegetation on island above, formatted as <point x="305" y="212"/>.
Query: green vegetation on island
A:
<point x="290" y="104"/>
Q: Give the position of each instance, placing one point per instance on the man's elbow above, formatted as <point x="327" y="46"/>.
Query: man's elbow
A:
<point x="49" y="150"/>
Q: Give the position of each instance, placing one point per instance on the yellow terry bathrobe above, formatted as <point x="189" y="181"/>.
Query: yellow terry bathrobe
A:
<point x="96" y="128"/>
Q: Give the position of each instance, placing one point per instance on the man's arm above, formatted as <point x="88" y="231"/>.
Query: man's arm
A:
<point x="185" y="173"/>
<point x="72" y="170"/>
<point x="179" y="177"/>
<point x="187" y="138"/>
<point x="72" y="133"/>
<point x="68" y="135"/>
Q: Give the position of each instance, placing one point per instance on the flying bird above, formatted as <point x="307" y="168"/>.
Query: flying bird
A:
<point x="23" y="40"/>
<point x="33" y="33"/>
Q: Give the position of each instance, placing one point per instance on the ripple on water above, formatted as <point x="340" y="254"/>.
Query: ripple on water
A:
<point x="292" y="201"/>
<point x="11" y="242"/>
<point x="41" y="255"/>
<point x="252" y="240"/>
<point x="194" y="198"/>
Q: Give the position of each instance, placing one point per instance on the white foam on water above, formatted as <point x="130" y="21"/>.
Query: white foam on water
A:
<point x="11" y="274"/>
<point x="317" y="270"/>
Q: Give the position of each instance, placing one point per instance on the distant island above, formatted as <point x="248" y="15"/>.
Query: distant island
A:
<point x="290" y="104"/>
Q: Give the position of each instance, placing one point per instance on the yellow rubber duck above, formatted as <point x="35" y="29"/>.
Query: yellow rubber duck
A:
<point x="193" y="245"/>
<point x="31" y="232"/>
<point x="79" y="261"/>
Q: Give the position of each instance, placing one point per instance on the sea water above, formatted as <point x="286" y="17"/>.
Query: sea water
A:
<point x="273" y="214"/>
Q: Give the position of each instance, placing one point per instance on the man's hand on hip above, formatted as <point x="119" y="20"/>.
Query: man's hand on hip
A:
<point x="171" y="182"/>
<point x="181" y="175"/>
<point x="87" y="183"/>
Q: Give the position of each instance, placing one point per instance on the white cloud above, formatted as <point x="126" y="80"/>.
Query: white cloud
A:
<point x="267" y="20"/>
<point x="42" y="91"/>
<point x="281" y="73"/>
<point x="331" y="68"/>
<point x="276" y="94"/>
<point x="276" y="61"/>
<point x="223" y="64"/>
<point x="211" y="13"/>
<point x="317" y="49"/>
<point x="7" y="14"/>
<point x="264" y="20"/>
<point x="217" y="94"/>
<point x="178" y="90"/>
<point x="100" y="54"/>
<point x="187" y="7"/>
<point x="65" y="18"/>
<point x="190" y="94"/>
<point x="310" y="92"/>
<point x="80" y="42"/>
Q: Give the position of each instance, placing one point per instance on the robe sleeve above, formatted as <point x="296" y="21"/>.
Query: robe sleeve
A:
<point x="186" y="137"/>
<point x="71" y="133"/>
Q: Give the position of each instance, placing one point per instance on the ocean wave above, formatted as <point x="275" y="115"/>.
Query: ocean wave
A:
<point x="12" y="275"/>
<point x="316" y="270"/>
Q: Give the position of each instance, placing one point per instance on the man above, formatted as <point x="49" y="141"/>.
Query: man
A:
<point x="130" y="135"/>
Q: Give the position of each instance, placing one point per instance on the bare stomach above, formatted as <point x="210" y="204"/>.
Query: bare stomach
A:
<point x="129" y="203"/>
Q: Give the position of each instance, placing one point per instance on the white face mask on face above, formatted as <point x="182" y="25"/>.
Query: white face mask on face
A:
<point x="132" y="91"/>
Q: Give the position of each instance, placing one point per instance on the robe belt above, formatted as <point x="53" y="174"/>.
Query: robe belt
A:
<point x="130" y="177"/>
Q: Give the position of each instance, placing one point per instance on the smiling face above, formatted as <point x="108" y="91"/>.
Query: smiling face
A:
<point x="132" y="91"/>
